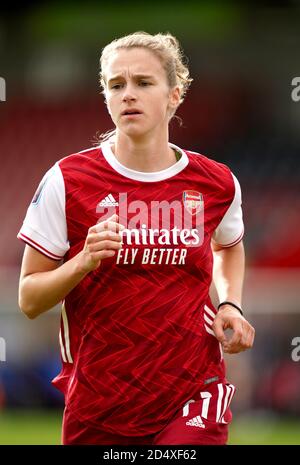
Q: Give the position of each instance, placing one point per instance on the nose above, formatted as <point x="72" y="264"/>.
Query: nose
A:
<point x="128" y="95"/>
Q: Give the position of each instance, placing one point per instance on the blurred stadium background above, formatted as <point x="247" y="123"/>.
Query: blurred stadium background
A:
<point x="239" y="111"/>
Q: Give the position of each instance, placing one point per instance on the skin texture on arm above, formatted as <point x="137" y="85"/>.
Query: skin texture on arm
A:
<point x="228" y="277"/>
<point x="45" y="282"/>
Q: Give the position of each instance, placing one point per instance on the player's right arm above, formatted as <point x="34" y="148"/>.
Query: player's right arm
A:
<point x="44" y="282"/>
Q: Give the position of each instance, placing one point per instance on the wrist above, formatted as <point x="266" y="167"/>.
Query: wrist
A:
<point x="80" y="267"/>
<point x="230" y="304"/>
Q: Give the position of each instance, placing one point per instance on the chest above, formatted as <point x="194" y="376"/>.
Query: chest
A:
<point x="167" y="223"/>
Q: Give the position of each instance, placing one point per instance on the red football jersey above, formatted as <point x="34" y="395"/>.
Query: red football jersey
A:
<point x="136" y="338"/>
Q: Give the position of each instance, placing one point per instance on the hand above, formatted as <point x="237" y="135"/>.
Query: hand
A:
<point x="243" y="333"/>
<point x="102" y="241"/>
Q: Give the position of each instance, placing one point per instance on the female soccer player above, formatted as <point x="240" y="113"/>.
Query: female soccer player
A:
<point x="128" y="235"/>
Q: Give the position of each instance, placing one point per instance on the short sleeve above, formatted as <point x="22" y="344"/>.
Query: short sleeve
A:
<point x="45" y="227"/>
<point x="231" y="228"/>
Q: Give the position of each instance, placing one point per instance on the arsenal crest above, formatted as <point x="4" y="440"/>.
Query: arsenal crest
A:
<point x="193" y="201"/>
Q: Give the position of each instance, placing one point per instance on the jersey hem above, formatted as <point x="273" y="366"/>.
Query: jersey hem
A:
<point x="231" y="244"/>
<point x="38" y="247"/>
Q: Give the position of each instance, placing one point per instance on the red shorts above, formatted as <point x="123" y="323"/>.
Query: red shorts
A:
<point x="203" y="420"/>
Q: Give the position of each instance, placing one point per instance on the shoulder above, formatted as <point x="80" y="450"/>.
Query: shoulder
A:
<point x="212" y="170"/>
<point x="206" y="162"/>
<point x="78" y="159"/>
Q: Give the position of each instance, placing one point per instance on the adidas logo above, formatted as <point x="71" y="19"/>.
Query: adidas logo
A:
<point x="109" y="201"/>
<point x="196" y="421"/>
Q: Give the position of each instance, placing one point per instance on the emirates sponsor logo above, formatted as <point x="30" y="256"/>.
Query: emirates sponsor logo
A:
<point x="149" y="236"/>
<point x="162" y="223"/>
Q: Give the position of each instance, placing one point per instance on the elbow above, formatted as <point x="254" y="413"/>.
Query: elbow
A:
<point x="26" y="301"/>
<point x="28" y="308"/>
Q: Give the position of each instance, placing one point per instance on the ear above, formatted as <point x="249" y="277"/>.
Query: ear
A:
<point x="174" y="97"/>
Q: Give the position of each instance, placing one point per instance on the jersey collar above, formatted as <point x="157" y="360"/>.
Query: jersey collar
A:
<point x="153" y="176"/>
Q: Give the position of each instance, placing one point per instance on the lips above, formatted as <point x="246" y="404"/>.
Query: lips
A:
<point x="131" y="111"/>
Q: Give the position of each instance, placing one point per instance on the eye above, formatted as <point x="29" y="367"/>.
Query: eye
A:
<point x="144" y="83"/>
<point x="116" y="86"/>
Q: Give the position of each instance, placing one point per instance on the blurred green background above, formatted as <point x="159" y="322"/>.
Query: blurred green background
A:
<point x="38" y="427"/>
<point x="239" y="111"/>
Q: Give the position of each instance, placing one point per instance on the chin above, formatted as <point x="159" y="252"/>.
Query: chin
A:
<point x="134" y="133"/>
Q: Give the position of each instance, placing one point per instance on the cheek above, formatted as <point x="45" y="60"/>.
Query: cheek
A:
<point x="161" y="102"/>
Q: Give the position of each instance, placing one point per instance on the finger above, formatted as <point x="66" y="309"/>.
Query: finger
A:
<point x="234" y="349"/>
<point x="237" y="335"/>
<point x="109" y="225"/>
<point x="248" y="338"/>
<point x="252" y="337"/>
<point x="103" y="254"/>
<point x="108" y="235"/>
<point x="234" y="344"/>
<point x="106" y="225"/>
<point x="245" y="343"/>
<point x="219" y="330"/>
<point x="230" y="348"/>
<point x="104" y="245"/>
<point x="113" y="217"/>
<point x="93" y="238"/>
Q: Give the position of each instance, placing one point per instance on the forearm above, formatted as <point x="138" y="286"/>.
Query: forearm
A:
<point x="43" y="290"/>
<point x="228" y="272"/>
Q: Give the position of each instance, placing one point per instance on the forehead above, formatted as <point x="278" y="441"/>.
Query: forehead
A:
<point x="133" y="61"/>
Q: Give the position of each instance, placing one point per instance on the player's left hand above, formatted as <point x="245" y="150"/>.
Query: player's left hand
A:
<point x="243" y="333"/>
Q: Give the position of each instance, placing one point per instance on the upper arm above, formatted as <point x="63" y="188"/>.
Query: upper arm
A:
<point x="35" y="262"/>
<point x="45" y="225"/>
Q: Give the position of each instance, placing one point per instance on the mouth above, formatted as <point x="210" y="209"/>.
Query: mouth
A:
<point x="131" y="112"/>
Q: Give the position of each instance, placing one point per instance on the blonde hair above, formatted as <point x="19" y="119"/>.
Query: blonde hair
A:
<point x="165" y="46"/>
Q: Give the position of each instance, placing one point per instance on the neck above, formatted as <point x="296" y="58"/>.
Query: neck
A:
<point x="143" y="155"/>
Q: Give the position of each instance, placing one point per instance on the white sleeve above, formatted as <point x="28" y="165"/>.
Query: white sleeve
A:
<point x="231" y="228"/>
<point x="45" y="226"/>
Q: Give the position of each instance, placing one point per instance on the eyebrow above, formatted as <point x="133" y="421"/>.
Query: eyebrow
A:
<point x="135" y="76"/>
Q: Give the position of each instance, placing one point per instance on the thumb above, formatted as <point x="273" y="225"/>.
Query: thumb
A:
<point x="219" y="330"/>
